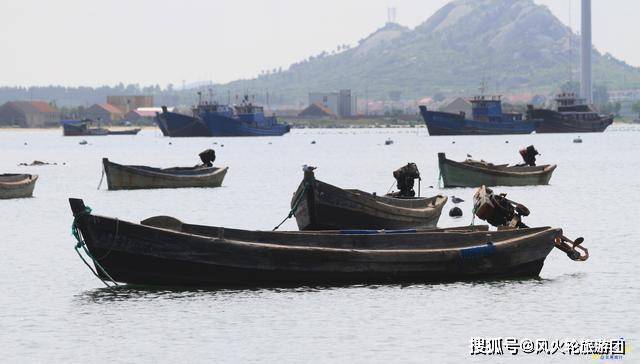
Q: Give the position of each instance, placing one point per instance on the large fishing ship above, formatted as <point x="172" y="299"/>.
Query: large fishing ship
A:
<point x="573" y="115"/>
<point x="244" y="119"/>
<point x="173" y="124"/>
<point x="487" y="119"/>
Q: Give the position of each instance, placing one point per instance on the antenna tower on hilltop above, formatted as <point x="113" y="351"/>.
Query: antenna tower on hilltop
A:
<point x="391" y="15"/>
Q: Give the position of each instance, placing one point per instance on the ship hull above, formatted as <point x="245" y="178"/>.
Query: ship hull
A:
<point x="178" y="125"/>
<point x="442" y="123"/>
<point x="554" y="122"/>
<point x="224" y="126"/>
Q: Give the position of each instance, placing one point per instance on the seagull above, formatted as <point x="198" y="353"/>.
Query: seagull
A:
<point x="307" y="168"/>
<point x="456" y="200"/>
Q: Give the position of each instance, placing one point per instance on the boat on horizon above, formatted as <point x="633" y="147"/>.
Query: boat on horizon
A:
<point x="245" y="119"/>
<point x="88" y="127"/>
<point x="487" y="119"/>
<point x="572" y="115"/>
<point x="176" y="125"/>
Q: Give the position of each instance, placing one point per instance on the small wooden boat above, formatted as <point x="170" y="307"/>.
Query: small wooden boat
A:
<point x="472" y="173"/>
<point x="320" y="206"/>
<point x="124" y="177"/>
<point x="125" y="132"/>
<point x="17" y="185"/>
<point x="209" y="256"/>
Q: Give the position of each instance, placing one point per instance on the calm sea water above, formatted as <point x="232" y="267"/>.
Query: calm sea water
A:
<point x="53" y="309"/>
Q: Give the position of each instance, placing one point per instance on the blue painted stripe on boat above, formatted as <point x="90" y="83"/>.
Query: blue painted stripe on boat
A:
<point x="374" y="232"/>
<point x="478" y="251"/>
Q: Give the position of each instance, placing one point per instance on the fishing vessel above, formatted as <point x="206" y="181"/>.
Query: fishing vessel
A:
<point x="176" y="125"/>
<point x="573" y="115"/>
<point x="245" y="119"/>
<point x="487" y="119"/>
<point x="88" y="127"/>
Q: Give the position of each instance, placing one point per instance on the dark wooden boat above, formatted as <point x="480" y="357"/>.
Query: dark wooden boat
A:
<point x="17" y="185"/>
<point x="126" y="177"/>
<point x="320" y="206"/>
<point x="125" y="132"/>
<point x="472" y="173"/>
<point x="138" y="254"/>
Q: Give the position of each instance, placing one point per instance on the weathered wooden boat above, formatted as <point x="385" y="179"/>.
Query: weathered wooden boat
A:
<point x="126" y="177"/>
<point x="472" y="173"/>
<point x="139" y="254"/>
<point x="320" y="206"/>
<point x="17" y="185"/>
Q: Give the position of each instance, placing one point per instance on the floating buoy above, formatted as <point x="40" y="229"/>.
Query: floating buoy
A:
<point x="453" y="142"/>
<point x="83" y="142"/>
<point x="455" y="212"/>
<point x="25" y="143"/>
<point x="170" y="143"/>
<point x="506" y="142"/>
<point x="388" y="142"/>
<point x="313" y="142"/>
<point x="577" y="140"/>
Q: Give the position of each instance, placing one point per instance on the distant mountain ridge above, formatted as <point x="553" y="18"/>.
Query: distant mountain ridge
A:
<point x="515" y="45"/>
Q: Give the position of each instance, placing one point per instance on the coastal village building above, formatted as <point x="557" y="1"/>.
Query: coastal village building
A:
<point x="104" y="113"/>
<point x="29" y="114"/>
<point x="130" y="102"/>
<point x="317" y="111"/>
<point x="144" y="114"/>
<point x="457" y="106"/>
<point x="340" y="103"/>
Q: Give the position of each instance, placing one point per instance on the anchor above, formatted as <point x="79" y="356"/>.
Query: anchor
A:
<point x="573" y="249"/>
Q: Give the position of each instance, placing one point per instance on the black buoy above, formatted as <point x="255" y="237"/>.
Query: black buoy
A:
<point x="577" y="140"/>
<point x="455" y="212"/>
<point x="313" y="142"/>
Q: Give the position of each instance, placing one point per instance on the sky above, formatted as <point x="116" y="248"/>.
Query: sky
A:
<point x="93" y="43"/>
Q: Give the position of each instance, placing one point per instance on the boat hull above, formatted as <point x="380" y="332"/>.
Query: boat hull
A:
<point x="17" y="185"/>
<point x="125" y="132"/>
<point x="442" y="123"/>
<point x="177" y="125"/>
<point x="456" y="174"/>
<point x="554" y="122"/>
<point x="121" y="177"/>
<point x="326" y="207"/>
<point x="138" y="254"/>
<point x="224" y="126"/>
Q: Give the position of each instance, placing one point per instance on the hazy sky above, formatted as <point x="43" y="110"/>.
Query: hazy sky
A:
<point x="91" y="42"/>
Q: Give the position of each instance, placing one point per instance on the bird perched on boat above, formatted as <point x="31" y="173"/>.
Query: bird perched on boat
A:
<point x="456" y="200"/>
<point x="307" y="168"/>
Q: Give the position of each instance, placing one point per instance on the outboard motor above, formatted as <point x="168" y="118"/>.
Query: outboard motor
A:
<point x="497" y="210"/>
<point x="405" y="178"/>
<point x="208" y="157"/>
<point x="529" y="155"/>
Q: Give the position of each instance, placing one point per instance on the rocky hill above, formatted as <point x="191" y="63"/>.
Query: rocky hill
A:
<point x="514" y="45"/>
